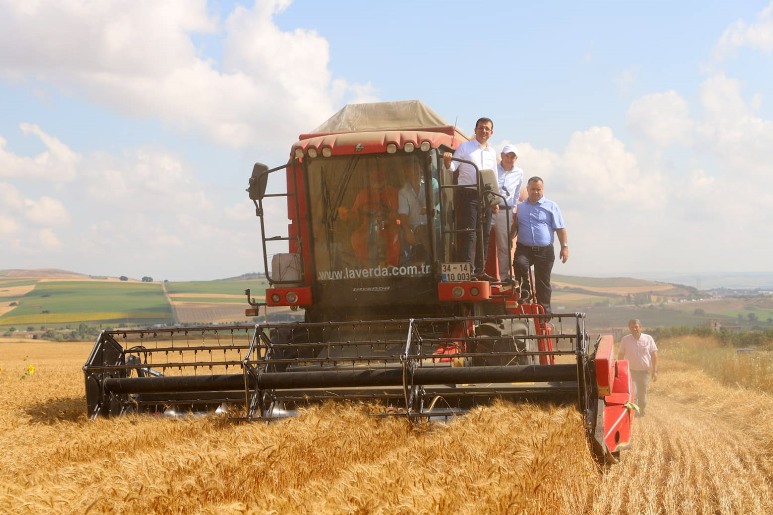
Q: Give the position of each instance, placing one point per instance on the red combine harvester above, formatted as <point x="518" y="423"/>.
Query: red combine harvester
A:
<point x="389" y="315"/>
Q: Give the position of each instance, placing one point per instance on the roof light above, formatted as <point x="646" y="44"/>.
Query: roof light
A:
<point x="312" y="152"/>
<point x="391" y="148"/>
<point x="327" y="151"/>
<point x="425" y="146"/>
<point x="409" y="146"/>
<point x="298" y="153"/>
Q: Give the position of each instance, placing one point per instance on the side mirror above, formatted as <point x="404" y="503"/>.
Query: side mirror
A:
<point x="258" y="182"/>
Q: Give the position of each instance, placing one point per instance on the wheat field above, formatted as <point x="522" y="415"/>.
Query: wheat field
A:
<point x="703" y="448"/>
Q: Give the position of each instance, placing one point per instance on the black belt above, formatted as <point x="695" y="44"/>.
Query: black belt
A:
<point x="532" y="248"/>
<point x="503" y="206"/>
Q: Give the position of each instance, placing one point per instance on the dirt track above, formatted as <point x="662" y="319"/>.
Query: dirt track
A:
<point x="703" y="448"/>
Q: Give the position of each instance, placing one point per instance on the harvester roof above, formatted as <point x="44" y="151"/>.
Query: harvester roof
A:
<point x="384" y="116"/>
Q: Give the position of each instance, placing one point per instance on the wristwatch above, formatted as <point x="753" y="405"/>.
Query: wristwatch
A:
<point x="565" y="245"/>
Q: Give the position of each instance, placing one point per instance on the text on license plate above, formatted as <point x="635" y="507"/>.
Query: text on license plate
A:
<point x="452" y="272"/>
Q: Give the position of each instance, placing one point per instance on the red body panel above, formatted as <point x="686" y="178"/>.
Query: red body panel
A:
<point x="613" y="379"/>
<point x="605" y="365"/>
<point x="466" y="291"/>
<point x="303" y="295"/>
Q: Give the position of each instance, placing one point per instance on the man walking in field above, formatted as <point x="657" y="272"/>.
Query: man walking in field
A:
<point x="642" y="355"/>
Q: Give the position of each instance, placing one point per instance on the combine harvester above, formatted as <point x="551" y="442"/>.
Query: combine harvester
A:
<point x="390" y="316"/>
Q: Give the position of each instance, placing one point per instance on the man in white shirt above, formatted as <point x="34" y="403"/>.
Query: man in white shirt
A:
<point x="510" y="182"/>
<point x="642" y="355"/>
<point x="467" y="202"/>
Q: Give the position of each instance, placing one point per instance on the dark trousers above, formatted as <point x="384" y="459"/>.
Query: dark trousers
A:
<point x="542" y="258"/>
<point x="467" y="209"/>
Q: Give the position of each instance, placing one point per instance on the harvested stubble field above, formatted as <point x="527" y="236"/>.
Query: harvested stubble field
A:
<point x="703" y="448"/>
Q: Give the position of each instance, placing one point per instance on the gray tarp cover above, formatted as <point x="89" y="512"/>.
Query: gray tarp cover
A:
<point x="381" y="116"/>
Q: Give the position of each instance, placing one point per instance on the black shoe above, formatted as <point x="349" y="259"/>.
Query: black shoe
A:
<point x="484" y="277"/>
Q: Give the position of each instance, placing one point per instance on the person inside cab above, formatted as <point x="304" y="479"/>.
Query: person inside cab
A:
<point x="413" y="213"/>
<point x="375" y="239"/>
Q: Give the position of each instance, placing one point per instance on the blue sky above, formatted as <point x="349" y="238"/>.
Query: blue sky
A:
<point x="128" y="129"/>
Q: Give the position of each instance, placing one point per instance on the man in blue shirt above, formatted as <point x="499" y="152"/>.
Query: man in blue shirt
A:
<point x="538" y="220"/>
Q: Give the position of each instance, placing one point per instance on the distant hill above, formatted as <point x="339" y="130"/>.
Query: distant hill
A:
<point x="743" y="280"/>
<point x="41" y="273"/>
<point x="750" y="280"/>
<point x="61" y="298"/>
<point x="244" y="277"/>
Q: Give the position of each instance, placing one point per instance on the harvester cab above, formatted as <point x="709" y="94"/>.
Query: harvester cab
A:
<point x="367" y="255"/>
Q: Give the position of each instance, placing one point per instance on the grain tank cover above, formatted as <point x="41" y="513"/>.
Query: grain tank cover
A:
<point x="383" y="116"/>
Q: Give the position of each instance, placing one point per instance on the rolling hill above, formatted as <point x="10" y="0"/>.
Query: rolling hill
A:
<point x="60" y="298"/>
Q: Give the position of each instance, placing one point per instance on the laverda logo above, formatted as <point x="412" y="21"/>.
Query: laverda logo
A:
<point x="359" y="147"/>
<point x="373" y="288"/>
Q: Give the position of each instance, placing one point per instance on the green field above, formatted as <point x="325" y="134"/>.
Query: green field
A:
<point x="221" y="287"/>
<point x="66" y="303"/>
<point x="7" y="283"/>
<point x="61" y="303"/>
<point x="601" y="282"/>
<point x="651" y="316"/>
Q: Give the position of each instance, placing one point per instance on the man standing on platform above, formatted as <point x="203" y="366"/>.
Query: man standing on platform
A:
<point x="484" y="156"/>
<point x="510" y="181"/>
<point x="538" y="220"/>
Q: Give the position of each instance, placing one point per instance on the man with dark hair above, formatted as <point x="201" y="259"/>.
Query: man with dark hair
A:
<point x="467" y="203"/>
<point x="538" y="220"/>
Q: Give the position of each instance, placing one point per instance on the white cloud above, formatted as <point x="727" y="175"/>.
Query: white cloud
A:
<point x="49" y="240"/>
<point x="700" y="181"/>
<point x="10" y="197"/>
<point x="758" y="35"/>
<point x="8" y="226"/>
<point x="732" y="131"/>
<point x="46" y="211"/>
<point x="597" y="164"/>
<point x="57" y="163"/>
<point x="146" y="181"/>
<point x="26" y="223"/>
<point x="141" y="60"/>
<point x="661" y="118"/>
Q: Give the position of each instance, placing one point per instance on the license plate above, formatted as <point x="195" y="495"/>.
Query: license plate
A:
<point x="455" y="272"/>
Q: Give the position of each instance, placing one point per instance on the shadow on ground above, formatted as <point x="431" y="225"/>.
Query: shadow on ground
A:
<point x="71" y="409"/>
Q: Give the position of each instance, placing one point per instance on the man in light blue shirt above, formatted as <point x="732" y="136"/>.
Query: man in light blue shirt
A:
<point x="538" y="220"/>
<point x="510" y="181"/>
